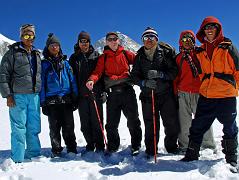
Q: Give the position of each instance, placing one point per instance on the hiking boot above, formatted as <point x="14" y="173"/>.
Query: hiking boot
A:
<point x="90" y="147"/>
<point x="230" y="150"/>
<point x="134" y="151"/>
<point x="108" y="152"/>
<point x="55" y="154"/>
<point x="192" y="152"/>
<point x="233" y="163"/>
<point x="72" y="151"/>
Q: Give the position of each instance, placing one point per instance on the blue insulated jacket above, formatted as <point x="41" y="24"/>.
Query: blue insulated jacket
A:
<point x="57" y="83"/>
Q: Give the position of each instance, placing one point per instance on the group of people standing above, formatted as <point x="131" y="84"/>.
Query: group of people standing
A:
<point x="187" y="90"/>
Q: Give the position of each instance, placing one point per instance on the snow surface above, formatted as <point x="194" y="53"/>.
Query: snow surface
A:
<point x="120" y="165"/>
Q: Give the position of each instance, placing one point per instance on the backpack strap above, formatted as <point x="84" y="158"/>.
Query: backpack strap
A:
<point x="235" y="55"/>
<point x="126" y="56"/>
<point x="227" y="44"/>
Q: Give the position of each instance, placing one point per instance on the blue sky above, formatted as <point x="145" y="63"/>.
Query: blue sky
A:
<point x="67" y="18"/>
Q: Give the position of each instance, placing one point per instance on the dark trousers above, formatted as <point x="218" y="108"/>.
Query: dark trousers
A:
<point x="165" y="106"/>
<point x="90" y="126"/>
<point x="208" y="109"/>
<point x="61" y="118"/>
<point x="125" y="101"/>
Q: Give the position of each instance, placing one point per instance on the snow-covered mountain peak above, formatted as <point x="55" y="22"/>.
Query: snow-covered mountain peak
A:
<point x="126" y="42"/>
<point x="5" y="39"/>
<point x="4" y="43"/>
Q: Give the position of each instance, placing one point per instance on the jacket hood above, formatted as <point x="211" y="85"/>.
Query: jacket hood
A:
<point x="208" y="20"/>
<point x="186" y="32"/>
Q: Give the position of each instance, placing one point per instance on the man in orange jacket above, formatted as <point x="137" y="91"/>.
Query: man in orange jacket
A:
<point x="219" y="73"/>
<point x="114" y="64"/>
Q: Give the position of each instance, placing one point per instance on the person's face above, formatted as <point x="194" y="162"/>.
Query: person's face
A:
<point x="113" y="42"/>
<point x="28" y="38"/>
<point x="210" y="31"/>
<point x="187" y="41"/>
<point x="54" y="49"/>
<point x="84" y="45"/>
<point x="149" y="41"/>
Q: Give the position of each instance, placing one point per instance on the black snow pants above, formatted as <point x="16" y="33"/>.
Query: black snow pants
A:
<point x="90" y="126"/>
<point x="165" y="106"/>
<point x="122" y="99"/>
<point x="61" y="118"/>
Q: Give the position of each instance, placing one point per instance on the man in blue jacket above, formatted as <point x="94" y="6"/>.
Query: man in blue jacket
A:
<point x="58" y="95"/>
<point x="20" y="83"/>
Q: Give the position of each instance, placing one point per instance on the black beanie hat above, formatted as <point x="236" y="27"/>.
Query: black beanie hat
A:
<point x="149" y="31"/>
<point x="84" y="35"/>
<point x="52" y="39"/>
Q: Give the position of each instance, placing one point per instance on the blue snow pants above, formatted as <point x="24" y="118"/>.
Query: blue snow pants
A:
<point x="25" y="127"/>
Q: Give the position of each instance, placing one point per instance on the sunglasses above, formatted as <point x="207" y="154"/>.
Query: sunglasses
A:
<point x="151" y="38"/>
<point x="210" y="26"/>
<point x="54" y="45"/>
<point x="187" y="38"/>
<point x="112" y="39"/>
<point x="83" y="40"/>
<point x="26" y="37"/>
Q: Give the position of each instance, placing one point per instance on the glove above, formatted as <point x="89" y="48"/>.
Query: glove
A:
<point x="103" y="97"/>
<point x="152" y="74"/>
<point x="152" y="84"/>
<point x="45" y="110"/>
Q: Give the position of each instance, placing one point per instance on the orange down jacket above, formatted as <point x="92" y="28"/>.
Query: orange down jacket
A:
<point x="221" y="62"/>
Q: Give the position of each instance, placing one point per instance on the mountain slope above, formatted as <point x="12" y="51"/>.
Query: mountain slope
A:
<point x="126" y="42"/>
<point x="4" y="43"/>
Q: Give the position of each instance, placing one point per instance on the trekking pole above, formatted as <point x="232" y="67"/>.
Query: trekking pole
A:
<point x="154" y="121"/>
<point x="98" y="117"/>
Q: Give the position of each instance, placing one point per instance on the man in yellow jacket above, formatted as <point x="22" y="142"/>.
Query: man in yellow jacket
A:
<point x="219" y="73"/>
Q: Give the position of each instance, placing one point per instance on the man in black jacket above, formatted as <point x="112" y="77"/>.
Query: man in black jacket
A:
<point x="154" y="70"/>
<point x="83" y="62"/>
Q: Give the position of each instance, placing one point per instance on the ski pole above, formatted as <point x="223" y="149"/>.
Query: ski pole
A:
<point x="154" y="121"/>
<point x="98" y="117"/>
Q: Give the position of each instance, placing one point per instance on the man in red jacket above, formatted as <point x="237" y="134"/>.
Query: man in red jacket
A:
<point x="187" y="84"/>
<point x="114" y="64"/>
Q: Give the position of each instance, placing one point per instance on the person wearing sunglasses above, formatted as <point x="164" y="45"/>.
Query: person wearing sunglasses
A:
<point x="154" y="71"/>
<point x="219" y="73"/>
<point x="83" y="61"/>
<point x="114" y="65"/>
<point x="20" y="83"/>
<point x="58" y="96"/>
<point x="187" y="84"/>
